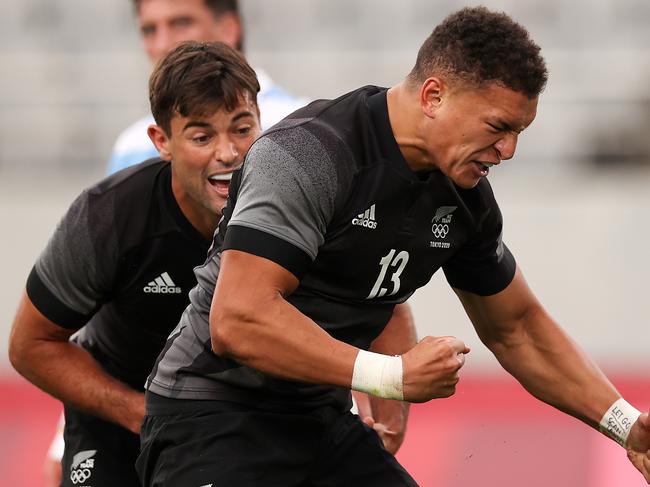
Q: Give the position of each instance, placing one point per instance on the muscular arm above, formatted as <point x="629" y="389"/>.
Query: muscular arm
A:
<point x="252" y="323"/>
<point x="40" y="351"/>
<point x="532" y="347"/>
<point x="541" y="356"/>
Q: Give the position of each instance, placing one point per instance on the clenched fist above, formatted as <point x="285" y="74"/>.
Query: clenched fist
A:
<point x="431" y="368"/>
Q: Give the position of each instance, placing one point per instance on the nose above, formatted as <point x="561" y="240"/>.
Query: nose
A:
<point x="161" y="44"/>
<point x="506" y="146"/>
<point x="226" y="152"/>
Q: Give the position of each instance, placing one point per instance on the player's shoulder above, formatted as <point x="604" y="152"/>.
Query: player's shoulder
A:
<point x="335" y="120"/>
<point x="134" y="184"/>
<point x="324" y="137"/>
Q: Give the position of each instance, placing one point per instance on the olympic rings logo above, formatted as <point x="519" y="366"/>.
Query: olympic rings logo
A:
<point x="440" y="230"/>
<point x="79" y="476"/>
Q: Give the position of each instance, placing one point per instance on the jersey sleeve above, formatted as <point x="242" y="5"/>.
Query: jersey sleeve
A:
<point x="285" y="201"/>
<point x="484" y="265"/>
<point x="73" y="275"/>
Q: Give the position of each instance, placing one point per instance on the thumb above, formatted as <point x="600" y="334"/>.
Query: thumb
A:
<point x="369" y="421"/>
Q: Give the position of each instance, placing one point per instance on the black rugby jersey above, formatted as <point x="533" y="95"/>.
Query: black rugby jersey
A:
<point x="327" y="195"/>
<point x="119" y="266"/>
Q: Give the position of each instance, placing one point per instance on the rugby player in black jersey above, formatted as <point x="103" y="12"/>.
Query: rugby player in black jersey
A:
<point x="119" y="266"/>
<point x="340" y="212"/>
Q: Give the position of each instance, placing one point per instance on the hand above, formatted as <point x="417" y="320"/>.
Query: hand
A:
<point x="133" y="412"/>
<point x="638" y="445"/>
<point x="387" y="417"/>
<point x="431" y="368"/>
<point x="392" y="440"/>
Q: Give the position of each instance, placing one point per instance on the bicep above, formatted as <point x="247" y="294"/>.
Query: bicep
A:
<point x="504" y="315"/>
<point x="245" y="277"/>
<point x="248" y="291"/>
<point x="31" y="326"/>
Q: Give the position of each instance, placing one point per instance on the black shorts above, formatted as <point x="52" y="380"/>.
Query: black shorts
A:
<point x="97" y="453"/>
<point x="232" y="445"/>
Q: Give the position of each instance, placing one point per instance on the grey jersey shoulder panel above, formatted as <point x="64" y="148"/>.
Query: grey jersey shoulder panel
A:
<point x="79" y="262"/>
<point x="289" y="187"/>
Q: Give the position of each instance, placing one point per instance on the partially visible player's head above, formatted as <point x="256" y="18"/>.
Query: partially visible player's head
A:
<point x="478" y="77"/>
<point x="203" y="98"/>
<point x="165" y="23"/>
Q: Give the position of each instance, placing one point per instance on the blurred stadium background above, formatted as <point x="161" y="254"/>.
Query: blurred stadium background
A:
<point x="575" y="201"/>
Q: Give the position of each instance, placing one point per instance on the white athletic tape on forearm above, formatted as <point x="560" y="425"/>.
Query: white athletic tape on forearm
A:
<point x="379" y="375"/>
<point x="618" y="420"/>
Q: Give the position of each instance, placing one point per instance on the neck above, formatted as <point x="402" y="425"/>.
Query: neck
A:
<point x="200" y="218"/>
<point x="406" y="121"/>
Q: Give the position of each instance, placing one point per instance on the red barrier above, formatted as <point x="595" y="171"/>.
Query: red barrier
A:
<point x="491" y="433"/>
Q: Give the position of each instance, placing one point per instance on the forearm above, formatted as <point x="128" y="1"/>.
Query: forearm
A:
<point x="255" y="325"/>
<point x="280" y="341"/>
<point x="544" y="359"/>
<point x="71" y="374"/>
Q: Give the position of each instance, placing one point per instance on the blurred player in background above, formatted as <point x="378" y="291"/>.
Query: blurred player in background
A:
<point x="163" y="24"/>
<point x="341" y="211"/>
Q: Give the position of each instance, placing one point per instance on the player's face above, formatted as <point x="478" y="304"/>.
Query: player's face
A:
<point x="473" y="129"/>
<point x="204" y="152"/>
<point x="165" y="23"/>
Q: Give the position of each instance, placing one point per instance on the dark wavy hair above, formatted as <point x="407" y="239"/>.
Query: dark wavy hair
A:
<point x="477" y="46"/>
<point x="199" y="78"/>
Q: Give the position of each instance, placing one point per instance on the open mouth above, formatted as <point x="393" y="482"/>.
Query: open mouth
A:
<point x="221" y="183"/>
<point x="484" y="167"/>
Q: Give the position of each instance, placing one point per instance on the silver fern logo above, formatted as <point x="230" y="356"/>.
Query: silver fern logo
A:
<point x="440" y="225"/>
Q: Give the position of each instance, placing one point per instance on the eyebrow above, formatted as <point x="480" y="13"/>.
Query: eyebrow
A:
<point x="501" y="125"/>
<point x="202" y="124"/>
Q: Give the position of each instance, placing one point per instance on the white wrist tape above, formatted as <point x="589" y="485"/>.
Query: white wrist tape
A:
<point x="379" y="375"/>
<point x="618" y="420"/>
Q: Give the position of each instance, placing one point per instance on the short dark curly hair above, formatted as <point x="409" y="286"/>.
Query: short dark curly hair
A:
<point x="477" y="46"/>
<point x="199" y="78"/>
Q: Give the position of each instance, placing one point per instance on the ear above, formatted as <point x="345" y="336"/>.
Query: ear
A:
<point x="431" y="95"/>
<point x="229" y="29"/>
<point x="160" y="140"/>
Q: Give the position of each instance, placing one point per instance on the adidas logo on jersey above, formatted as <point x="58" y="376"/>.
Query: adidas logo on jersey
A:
<point x="163" y="284"/>
<point x="366" y="219"/>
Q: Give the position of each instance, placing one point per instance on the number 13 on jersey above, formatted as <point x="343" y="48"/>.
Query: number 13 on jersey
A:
<point x="396" y="263"/>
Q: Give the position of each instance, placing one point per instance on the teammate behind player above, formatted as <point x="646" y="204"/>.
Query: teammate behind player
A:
<point x="289" y="344"/>
<point x="120" y="263"/>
